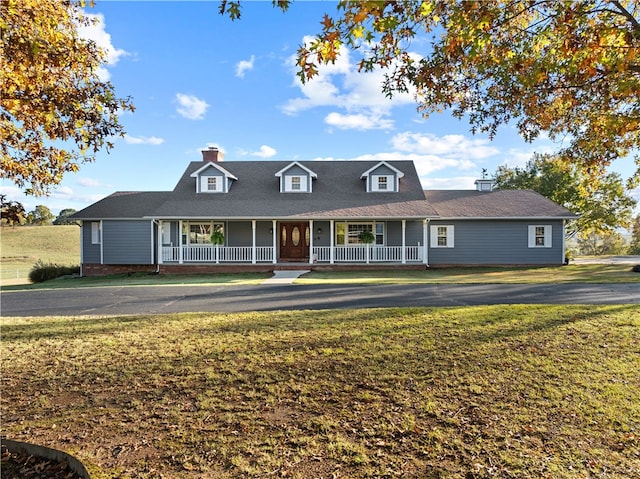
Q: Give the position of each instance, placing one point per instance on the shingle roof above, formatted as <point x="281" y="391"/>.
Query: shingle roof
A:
<point x="494" y="204"/>
<point x="338" y="192"/>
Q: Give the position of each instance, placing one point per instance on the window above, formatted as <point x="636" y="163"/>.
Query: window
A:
<point x="349" y="233"/>
<point x="95" y="232"/>
<point x="211" y="184"/>
<point x="442" y="236"/>
<point x="166" y="233"/>
<point x="295" y="183"/>
<point x="539" y="236"/>
<point x="382" y="183"/>
<point x="199" y="233"/>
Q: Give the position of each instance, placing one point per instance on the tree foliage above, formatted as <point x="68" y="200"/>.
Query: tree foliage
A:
<point x="63" y="217"/>
<point x="602" y="203"/>
<point x="571" y="69"/>
<point x="634" y="246"/>
<point x="12" y="212"/>
<point x="598" y="243"/>
<point x="41" y="215"/>
<point x="55" y="112"/>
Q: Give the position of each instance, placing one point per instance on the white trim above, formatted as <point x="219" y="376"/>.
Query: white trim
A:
<point x="547" y="236"/>
<point x="391" y="184"/>
<point x="399" y="173"/>
<point x="291" y="165"/>
<point x="449" y="235"/>
<point x="288" y="184"/>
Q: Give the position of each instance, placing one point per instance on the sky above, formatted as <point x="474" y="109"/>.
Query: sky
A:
<point x="198" y="79"/>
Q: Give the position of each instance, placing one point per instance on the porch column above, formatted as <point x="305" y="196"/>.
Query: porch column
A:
<point x="331" y="245"/>
<point x="180" y="260"/>
<point x="311" y="241"/>
<point x="404" y="242"/>
<point x="274" y="237"/>
<point x="160" y="228"/>
<point x="425" y="242"/>
<point x="253" y="242"/>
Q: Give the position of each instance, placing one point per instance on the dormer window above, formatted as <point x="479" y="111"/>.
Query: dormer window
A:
<point x="213" y="178"/>
<point x="383" y="177"/>
<point x="296" y="178"/>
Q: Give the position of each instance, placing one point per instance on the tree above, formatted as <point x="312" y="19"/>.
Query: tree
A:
<point x="571" y="69"/>
<point x="63" y="217"/>
<point x="634" y="247"/>
<point x="41" y="215"/>
<point x="12" y="212"/>
<point x="599" y="243"/>
<point x="55" y="112"/>
<point x="602" y="202"/>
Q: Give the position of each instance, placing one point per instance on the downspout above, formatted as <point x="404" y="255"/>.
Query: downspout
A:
<point x="425" y="239"/>
<point x="158" y="245"/>
<point x="81" y="225"/>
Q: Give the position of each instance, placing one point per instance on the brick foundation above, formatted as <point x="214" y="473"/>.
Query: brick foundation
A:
<point x="92" y="269"/>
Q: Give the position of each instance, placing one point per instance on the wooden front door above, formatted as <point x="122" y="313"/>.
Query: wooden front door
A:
<point x="294" y="241"/>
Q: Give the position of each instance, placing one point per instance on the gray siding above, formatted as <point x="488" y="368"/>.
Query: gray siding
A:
<point x="324" y="238"/>
<point x="239" y="233"/>
<point x="127" y="242"/>
<point x="90" y="252"/>
<point x="414" y="233"/>
<point x="496" y="242"/>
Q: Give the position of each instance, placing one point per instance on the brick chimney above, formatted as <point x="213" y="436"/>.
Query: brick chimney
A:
<point x="212" y="154"/>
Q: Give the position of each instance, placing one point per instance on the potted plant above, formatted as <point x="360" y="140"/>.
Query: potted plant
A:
<point x="217" y="238"/>
<point x="367" y="237"/>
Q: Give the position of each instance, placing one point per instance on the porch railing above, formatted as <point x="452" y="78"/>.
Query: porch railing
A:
<point x="221" y="254"/>
<point x="264" y="254"/>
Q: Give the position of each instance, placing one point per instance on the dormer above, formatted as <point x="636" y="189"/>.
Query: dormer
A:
<point x="382" y="178"/>
<point x="296" y="178"/>
<point x="213" y="178"/>
<point x="485" y="184"/>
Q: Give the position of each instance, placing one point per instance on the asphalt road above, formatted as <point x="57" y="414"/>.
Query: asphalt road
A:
<point x="174" y="299"/>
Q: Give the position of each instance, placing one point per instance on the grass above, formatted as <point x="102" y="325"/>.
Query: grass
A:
<point x="592" y="273"/>
<point x="498" y="391"/>
<point x="22" y="246"/>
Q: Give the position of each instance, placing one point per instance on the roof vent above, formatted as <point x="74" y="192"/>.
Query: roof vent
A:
<point x="212" y="154"/>
<point x="484" y="185"/>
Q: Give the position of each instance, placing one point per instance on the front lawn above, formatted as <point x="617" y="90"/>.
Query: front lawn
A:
<point x="499" y="391"/>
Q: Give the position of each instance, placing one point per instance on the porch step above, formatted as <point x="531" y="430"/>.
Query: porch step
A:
<point x="285" y="276"/>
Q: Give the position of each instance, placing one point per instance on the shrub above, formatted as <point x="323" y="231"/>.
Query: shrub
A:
<point x="42" y="271"/>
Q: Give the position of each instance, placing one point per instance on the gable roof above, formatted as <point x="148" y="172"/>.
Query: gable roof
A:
<point x="216" y="166"/>
<point x="378" y="165"/>
<point x="337" y="194"/>
<point x="496" y="204"/>
<point x="291" y="165"/>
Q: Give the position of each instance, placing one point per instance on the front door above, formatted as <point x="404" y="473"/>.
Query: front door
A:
<point x="294" y="241"/>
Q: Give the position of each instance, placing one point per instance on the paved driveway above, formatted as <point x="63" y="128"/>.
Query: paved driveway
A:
<point x="173" y="299"/>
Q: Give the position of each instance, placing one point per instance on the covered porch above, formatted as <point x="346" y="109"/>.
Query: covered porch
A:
<point x="292" y="241"/>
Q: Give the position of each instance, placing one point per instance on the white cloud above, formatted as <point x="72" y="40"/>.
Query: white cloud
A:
<point x="358" y="121"/>
<point x="191" y="107"/>
<point x="265" y="152"/>
<point x="143" y="140"/>
<point x="96" y="31"/>
<point x="244" y="66"/>
<point x="340" y="85"/>
<point x="455" y="183"/>
<point x="89" y="182"/>
<point x="458" y="146"/>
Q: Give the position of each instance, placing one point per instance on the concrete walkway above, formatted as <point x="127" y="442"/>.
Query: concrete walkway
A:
<point x="285" y="276"/>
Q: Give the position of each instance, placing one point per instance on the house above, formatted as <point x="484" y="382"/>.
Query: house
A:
<point x="278" y="214"/>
